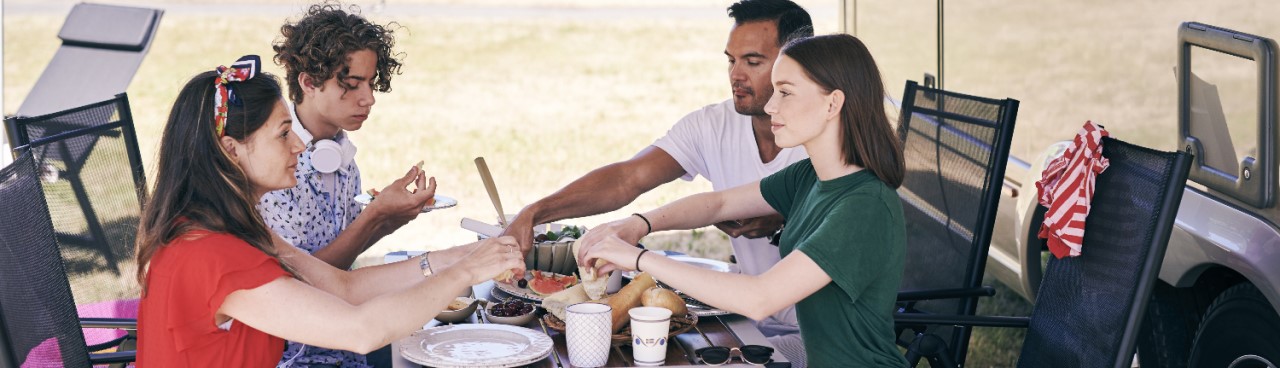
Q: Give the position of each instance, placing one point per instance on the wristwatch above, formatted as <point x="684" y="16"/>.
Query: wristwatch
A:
<point x="426" y="265"/>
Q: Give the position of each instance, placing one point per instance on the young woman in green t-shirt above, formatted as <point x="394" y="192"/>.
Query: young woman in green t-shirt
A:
<point x="844" y="242"/>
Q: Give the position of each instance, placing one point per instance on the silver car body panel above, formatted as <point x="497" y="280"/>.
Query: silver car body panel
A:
<point x="1210" y="232"/>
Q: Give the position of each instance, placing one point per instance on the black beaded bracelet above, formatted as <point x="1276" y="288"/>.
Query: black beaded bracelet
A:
<point x="638" y="259"/>
<point x="647" y="225"/>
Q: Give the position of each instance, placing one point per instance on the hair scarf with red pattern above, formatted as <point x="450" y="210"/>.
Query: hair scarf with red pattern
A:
<point x="224" y="94"/>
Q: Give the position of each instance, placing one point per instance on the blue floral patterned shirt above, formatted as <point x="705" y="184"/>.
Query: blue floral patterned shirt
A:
<point x="310" y="215"/>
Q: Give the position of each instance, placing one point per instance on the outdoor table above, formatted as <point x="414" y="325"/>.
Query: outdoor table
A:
<point x="728" y="330"/>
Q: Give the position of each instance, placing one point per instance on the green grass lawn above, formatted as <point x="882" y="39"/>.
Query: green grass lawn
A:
<point x="543" y="100"/>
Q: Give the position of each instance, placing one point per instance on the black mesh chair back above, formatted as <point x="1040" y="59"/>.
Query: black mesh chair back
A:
<point x="956" y="147"/>
<point x="93" y="180"/>
<point x="1088" y="307"/>
<point x="38" y="322"/>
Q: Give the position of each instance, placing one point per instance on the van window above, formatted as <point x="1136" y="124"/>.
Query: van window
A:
<point x="1224" y="108"/>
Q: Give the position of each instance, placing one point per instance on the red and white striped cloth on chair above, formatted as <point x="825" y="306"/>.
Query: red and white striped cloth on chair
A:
<point x="1066" y="189"/>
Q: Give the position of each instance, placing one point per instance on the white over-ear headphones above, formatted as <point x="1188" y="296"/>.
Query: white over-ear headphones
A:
<point x="327" y="155"/>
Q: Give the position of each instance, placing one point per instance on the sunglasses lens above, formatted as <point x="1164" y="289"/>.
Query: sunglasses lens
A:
<point x="756" y="354"/>
<point x="714" y="355"/>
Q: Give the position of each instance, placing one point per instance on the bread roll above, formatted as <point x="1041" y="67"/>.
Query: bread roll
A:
<point x="664" y="298"/>
<point x="629" y="297"/>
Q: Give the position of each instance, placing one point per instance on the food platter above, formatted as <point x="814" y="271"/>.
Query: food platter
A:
<point x="476" y="345"/>
<point x="524" y="292"/>
<point x="696" y="307"/>
<point x="440" y="202"/>
<point x="679" y="325"/>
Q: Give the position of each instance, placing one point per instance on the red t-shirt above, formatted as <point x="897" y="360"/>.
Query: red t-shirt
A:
<point x="187" y="281"/>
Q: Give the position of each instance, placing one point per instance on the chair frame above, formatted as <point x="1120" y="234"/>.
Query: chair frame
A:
<point x="982" y="233"/>
<point x="22" y="140"/>
<point x="1147" y="277"/>
<point x="9" y="357"/>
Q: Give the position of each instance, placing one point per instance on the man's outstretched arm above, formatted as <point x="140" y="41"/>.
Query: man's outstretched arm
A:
<point x="602" y="190"/>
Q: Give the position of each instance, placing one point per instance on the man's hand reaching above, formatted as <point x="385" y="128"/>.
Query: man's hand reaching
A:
<point x="752" y="228"/>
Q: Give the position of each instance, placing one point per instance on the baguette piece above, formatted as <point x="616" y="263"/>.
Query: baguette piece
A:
<point x="505" y="276"/>
<point x="592" y="283"/>
<point x="629" y="297"/>
<point x="556" y="303"/>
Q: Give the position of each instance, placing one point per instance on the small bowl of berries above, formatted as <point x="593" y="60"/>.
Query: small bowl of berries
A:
<point x="510" y="312"/>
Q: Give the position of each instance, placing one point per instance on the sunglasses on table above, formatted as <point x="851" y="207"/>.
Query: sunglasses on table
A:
<point x="752" y="354"/>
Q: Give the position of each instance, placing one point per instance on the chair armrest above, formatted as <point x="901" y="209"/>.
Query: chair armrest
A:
<point x="111" y="358"/>
<point x="977" y="321"/>
<point x="110" y="323"/>
<point x="918" y="295"/>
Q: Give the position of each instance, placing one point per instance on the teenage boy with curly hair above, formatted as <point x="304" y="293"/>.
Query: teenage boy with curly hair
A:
<point x="335" y="60"/>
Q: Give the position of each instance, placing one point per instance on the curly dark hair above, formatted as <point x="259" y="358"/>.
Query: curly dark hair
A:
<point x="320" y="42"/>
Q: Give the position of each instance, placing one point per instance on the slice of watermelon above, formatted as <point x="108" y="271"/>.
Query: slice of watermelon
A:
<point x="547" y="283"/>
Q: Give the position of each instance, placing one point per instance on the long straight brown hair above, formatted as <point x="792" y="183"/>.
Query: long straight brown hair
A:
<point x="198" y="185"/>
<point x="842" y="62"/>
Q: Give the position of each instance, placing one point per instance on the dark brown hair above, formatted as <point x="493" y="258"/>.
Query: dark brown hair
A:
<point x="842" y="62"/>
<point x="793" y="21"/>
<point x="198" y="185"/>
<point x="319" y="43"/>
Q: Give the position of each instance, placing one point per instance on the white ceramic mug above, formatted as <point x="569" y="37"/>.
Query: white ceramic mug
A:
<point x="588" y="330"/>
<point x="649" y="330"/>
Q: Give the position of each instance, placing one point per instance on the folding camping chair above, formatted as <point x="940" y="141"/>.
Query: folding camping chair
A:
<point x="38" y="323"/>
<point x="1088" y="308"/>
<point x="956" y="147"/>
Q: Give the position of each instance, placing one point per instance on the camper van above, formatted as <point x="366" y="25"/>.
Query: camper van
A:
<point x="1171" y="75"/>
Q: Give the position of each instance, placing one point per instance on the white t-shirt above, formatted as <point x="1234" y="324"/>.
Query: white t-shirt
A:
<point x="719" y="144"/>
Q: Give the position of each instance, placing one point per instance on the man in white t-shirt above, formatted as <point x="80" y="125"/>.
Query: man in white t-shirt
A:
<point x="729" y="143"/>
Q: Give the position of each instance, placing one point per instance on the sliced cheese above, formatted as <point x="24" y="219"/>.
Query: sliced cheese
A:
<point x="556" y="303"/>
<point x="460" y="303"/>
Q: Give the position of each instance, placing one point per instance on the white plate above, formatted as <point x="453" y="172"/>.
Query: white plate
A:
<point x="521" y="292"/>
<point x="476" y="345"/>
<point x="441" y="202"/>
<point x="709" y="264"/>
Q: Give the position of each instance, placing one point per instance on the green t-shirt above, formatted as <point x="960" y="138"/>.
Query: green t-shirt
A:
<point x="852" y="227"/>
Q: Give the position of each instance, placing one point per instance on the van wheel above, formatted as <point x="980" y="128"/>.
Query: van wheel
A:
<point x="1239" y="330"/>
<point x="1167" y="328"/>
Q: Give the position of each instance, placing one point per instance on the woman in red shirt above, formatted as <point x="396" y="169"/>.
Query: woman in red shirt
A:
<point x="213" y="275"/>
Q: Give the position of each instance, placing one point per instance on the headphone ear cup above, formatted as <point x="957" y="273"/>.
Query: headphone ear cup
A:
<point x="326" y="156"/>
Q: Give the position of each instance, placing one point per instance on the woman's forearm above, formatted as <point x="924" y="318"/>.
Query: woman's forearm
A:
<point x="399" y="313"/>
<point x="754" y="296"/>
<point x="708" y="208"/>
<point x="367" y="283"/>
<point x="315" y="317"/>
<point x="720" y="289"/>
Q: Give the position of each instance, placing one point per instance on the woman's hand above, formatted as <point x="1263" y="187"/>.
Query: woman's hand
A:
<point x="629" y="230"/>
<point x="489" y="258"/>
<point x="521" y="228"/>
<point x="618" y="254"/>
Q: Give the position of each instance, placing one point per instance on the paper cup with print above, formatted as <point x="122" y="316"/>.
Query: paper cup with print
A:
<point x="649" y="327"/>
<point x="588" y="330"/>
